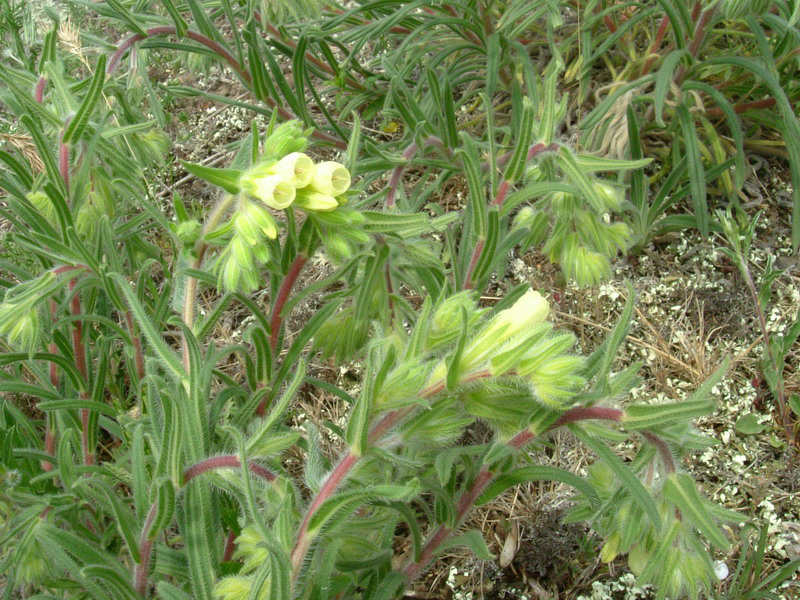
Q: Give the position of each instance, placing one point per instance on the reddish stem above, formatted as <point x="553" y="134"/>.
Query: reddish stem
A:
<point x="276" y="320"/>
<point x="584" y="413"/>
<point x="49" y="432"/>
<point x="662" y="30"/>
<point x="663" y="450"/>
<point x="145" y="552"/>
<point x="38" y="94"/>
<point x="473" y="262"/>
<point x="408" y="154"/>
<point x="610" y="23"/>
<point x="81" y="365"/>
<point x="224" y="462"/>
<point x="63" y="159"/>
<point x="697" y="40"/>
<point x="287" y="284"/>
<point x="743" y="107"/>
<point x="502" y="192"/>
<point x="230" y="546"/>
<point x="341" y="471"/>
<point x="463" y="506"/>
<point x="326" y="491"/>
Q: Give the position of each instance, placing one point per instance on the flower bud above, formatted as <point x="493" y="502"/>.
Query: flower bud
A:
<point x="447" y="319"/>
<point x="610" y="549"/>
<point x="19" y="323"/>
<point x="311" y="200"/>
<point x="738" y="9"/>
<point x="262" y="219"/>
<point x="246" y="229"/>
<point x="525" y="218"/>
<point x="42" y="203"/>
<point x="609" y="194"/>
<point x="188" y="232"/>
<point x="528" y="311"/>
<point x="234" y="588"/>
<point x="286" y="138"/>
<point x="250" y="546"/>
<point x="637" y="559"/>
<point x="330" y="178"/>
<point x="297" y="168"/>
<point x="272" y="190"/>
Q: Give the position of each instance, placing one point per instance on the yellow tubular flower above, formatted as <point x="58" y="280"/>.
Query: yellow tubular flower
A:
<point x="330" y="178"/>
<point x="272" y="190"/>
<point x="530" y="310"/>
<point x="296" y="168"/>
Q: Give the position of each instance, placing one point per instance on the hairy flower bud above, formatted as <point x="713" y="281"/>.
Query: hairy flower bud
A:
<point x="261" y="219"/>
<point x="529" y="310"/>
<point x="311" y="200"/>
<point x="738" y="9"/>
<point x="19" y="323"/>
<point x="42" y="203"/>
<point x="609" y="194"/>
<point x="235" y="588"/>
<point x="287" y="138"/>
<point x="188" y="232"/>
<point x="330" y="178"/>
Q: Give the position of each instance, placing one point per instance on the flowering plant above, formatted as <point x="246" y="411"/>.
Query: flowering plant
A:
<point x="166" y="459"/>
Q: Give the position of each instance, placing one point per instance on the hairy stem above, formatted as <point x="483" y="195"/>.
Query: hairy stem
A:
<point x="663" y="451"/>
<point x="780" y="392"/>
<point x="325" y="492"/>
<point x="276" y="320"/>
<point x="397" y="172"/>
<point x="584" y="413"/>
<point x="223" y="462"/>
<point x="473" y="262"/>
<point x="652" y="51"/>
<point x="200" y="248"/>
<point x="145" y="553"/>
<point x="342" y="470"/>
<point x="463" y="506"/>
<point x="138" y="352"/>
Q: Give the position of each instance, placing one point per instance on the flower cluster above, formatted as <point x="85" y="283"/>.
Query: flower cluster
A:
<point x="296" y="179"/>
<point x="292" y="180"/>
<point x="517" y="341"/>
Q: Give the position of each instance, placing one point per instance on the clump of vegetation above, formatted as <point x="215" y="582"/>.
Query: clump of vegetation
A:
<point x="147" y="455"/>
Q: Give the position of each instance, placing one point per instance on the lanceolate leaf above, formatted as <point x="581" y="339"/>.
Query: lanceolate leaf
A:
<point x="646" y="416"/>
<point x="680" y="489"/>
<point x="697" y="173"/>
<point x="629" y="480"/>
<point x="537" y="473"/>
<point x="77" y="126"/>
<point x="227" y="179"/>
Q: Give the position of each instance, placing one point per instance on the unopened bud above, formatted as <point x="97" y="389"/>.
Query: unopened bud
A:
<point x="188" y="232"/>
<point x="311" y="200"/>
<point x="287" y="138"/>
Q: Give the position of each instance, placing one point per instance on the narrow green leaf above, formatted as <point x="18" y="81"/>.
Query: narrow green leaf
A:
<point x="537" y="473"/>
<point x="227" y="179"/>
<point x="631" y="483"/>
<point x="680" y="489"/>
<point x="697" y="173"/>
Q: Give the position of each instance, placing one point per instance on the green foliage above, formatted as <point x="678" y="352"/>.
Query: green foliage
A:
<point x="157" y="438"/>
